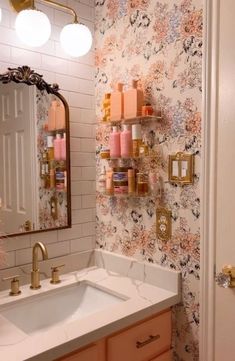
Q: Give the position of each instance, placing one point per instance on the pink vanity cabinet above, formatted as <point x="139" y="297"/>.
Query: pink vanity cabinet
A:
<point x="148" y="340"/>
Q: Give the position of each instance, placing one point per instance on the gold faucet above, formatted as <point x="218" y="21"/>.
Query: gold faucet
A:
<point x="35" y="274"/>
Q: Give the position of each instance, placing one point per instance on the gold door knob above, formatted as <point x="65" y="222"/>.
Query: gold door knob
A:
<point x="15" y="285"/>
<point x="226" y="278"/>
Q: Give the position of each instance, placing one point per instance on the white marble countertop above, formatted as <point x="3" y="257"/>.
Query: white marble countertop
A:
<point x="142" y="286"/>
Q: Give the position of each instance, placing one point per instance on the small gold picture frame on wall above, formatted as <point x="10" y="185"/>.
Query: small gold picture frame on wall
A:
<point x="181" y="168"/>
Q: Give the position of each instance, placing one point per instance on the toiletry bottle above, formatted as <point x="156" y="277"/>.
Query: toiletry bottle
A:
<point x="116" y="103"/>
<point x="60" y="115"/>
<point x="52" y="116"/>
<point x="57" y="147"/>
<point x="50" y="147"/>
<point x="136" y="139"/>
<point x="131" y="181"/>
<point x="143" y="148"/>
<point x="133" y="101"/>
<point x="109" y="182"/>
<point x="63" y="147"/>
<point x="114" y="143"/>
<point x="59" y="178"/>
<point x="106" y="107"/>
<point x="102" y="181"/>
<point x="126" y="142"/>
<point x="52" y="178"/>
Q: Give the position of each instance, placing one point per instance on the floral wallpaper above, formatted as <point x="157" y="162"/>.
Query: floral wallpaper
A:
<point x="158" y="43"/>
<point x="46" y="193"/>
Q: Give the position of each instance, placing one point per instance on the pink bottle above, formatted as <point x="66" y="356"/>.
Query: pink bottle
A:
<point x="60" y="115"/>
<point x="126" y="142"/>
<point x="52" y="115"/>
<point x="116" y="103"/>
<point x="114" y="143"/>
<point x="57" y="147"/>
<point x="63" y="147"/>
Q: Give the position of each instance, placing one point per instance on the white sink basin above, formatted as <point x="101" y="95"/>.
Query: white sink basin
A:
<point x="63" y="305"/>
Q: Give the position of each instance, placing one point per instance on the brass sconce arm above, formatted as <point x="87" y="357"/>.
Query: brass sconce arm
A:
<point x="30" y="4"/>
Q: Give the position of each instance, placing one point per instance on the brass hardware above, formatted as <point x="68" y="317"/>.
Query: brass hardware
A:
<point x="151" y="338"/>
<point x="163" y="223"/>
<point x="19" y="5"/>
<point x="15" y="285"/>
<point x="227" y="277"/>
<point x="35" y="274"/>
<point x="181" y="168"/>
<point x="55" y="274"/>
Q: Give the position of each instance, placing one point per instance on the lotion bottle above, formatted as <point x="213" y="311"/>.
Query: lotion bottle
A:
<point x="57" y="147"/>
<point x="60" y="115"/>
<point x="133" y="101"/>
<point x="63" y="147"/>
<point x="126" y="142"/>
<point x="114" y="143"/>
<point x="52" y="116"/>
<point x="116" y="103"/>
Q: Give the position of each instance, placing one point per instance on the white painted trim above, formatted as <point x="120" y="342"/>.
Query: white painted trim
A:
<point x="208" y="171"/>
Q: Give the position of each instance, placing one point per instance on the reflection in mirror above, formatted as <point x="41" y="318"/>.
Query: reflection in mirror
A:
<point x="34" y="155"/>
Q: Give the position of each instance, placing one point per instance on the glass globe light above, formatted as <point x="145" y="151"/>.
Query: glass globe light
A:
<point x="76" y="39"/>
<point x="33" y="27"/>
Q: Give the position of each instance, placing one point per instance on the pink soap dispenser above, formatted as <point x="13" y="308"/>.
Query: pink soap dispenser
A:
<point x="126" y="142"/>
<point x="57" y="147"/>
<point x="63" y="147"/>
<point x="114" y="143"/>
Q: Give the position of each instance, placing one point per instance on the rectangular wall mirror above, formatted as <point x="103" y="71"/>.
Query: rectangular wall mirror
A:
<point x="34" y="154"/>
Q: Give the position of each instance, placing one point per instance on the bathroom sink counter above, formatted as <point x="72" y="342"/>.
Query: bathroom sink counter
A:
<point x="146" y="289"/>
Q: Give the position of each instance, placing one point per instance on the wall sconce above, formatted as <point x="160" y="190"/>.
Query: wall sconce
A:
<point x="34" y="29"/>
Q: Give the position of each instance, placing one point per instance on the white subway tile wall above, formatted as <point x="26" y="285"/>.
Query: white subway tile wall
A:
<point x="76" y="80"/>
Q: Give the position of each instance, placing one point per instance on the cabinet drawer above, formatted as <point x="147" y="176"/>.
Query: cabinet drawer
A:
<point x="166" y="356"/>
<point x="94" y="352"/>
<point x="142" y="342"/>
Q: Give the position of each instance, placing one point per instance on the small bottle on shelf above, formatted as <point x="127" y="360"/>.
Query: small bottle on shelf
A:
<point x="136" y="139"/>
<point x="131" y="181"/>
<point x="114" y="143"/>
<point x="109" y="182"/>
<point x="133" y="101"/>
<point x="126" y="142"/>
<point x="57" y="147"/>
<point x="106" y="107"/>
<point x="116" y="103"/>
<point x="143" y="148"/>
<point x="142" y="184"/>
<point x="63" y="147"/>
<point x="102" y="181"/>
<point x="50" y="147"/>
<point x="52" y="178"/>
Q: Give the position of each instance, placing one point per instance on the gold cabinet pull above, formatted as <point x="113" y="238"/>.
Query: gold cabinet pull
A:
<point x="151" y="338"/>
<point x="15" y="285"/>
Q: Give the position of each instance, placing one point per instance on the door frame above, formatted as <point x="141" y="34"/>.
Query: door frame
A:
<point x="208" y="183"/>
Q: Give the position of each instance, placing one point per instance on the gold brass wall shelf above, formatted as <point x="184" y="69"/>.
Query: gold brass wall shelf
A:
<point x="181" y="168"/>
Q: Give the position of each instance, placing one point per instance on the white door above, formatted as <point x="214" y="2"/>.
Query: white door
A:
<point x="15" y="156"/>
<point x="225" y="182"/>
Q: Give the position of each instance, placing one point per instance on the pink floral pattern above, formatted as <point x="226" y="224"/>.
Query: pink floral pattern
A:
<point x="158" y="43"/>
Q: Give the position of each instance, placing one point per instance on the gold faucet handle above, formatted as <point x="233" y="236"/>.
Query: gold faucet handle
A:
<point x="15" y="285"/>
<point x="55" y="274"/>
